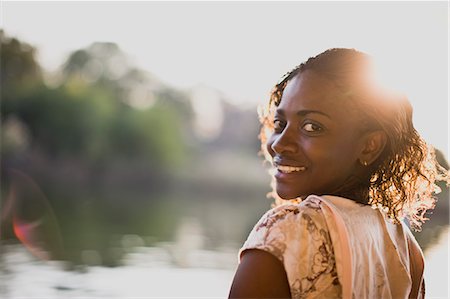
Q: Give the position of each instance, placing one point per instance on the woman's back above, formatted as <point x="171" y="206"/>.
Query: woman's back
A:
<point x="307" y="240"/>
<point x="380" y="251"/>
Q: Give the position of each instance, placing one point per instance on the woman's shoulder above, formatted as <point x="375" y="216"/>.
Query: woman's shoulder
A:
<point x="291" y="211"/>
<point x="288" y="222"/>
<point x="296" y="233"/>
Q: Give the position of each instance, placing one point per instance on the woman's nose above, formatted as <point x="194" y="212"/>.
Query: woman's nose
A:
<point x="284" y="142"/>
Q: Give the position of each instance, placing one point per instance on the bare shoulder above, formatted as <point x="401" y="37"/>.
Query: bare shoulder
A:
<point x="271" y="245"/>
<point x="260" y="275"/>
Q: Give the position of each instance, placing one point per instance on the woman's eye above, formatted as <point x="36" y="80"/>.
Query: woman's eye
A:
<point x="277" y="125"/>
<point x="312" y="128"/>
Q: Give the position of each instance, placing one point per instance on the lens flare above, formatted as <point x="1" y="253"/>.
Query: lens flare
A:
<point x="27" y="234"/>
<point x="28" y="216"/>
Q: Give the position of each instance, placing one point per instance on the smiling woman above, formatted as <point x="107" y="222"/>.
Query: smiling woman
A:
<point x="311" y="133"/>
<point x="349" y="167"/>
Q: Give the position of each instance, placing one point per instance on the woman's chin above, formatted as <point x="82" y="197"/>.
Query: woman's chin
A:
<point x="288" y="195"/>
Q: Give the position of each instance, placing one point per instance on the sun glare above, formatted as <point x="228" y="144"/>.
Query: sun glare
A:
<point x="404" y="76"/>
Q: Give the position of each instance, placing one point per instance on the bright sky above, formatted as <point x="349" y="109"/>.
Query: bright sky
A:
<point x="243" y="48"/>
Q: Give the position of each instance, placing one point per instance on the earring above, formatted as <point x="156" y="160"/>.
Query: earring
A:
<point x="364" y="163"/>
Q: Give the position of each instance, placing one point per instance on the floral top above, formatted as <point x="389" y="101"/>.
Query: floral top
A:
<point x="298" y="236"/>
<point x="333" y="247"/>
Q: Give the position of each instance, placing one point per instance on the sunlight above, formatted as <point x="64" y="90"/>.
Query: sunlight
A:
<point x="404" y="75"/>
<point x="391" y="75"/>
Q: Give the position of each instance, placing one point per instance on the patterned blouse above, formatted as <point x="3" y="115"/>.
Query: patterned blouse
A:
<point x="370" y="258"/>
<point x="298" y="236"/>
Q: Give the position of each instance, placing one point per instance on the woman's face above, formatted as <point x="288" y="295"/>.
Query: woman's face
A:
<point x="316" y="142"/>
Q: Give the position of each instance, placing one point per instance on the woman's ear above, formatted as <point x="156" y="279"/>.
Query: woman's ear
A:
<point x="373" y="145"/>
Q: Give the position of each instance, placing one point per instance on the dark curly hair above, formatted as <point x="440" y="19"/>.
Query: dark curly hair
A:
<point x="401" y="182"/>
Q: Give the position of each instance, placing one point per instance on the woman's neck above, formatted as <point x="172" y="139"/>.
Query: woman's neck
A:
<point x="354" y="189"/>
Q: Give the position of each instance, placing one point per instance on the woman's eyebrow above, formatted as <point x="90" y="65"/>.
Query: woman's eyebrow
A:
<point x="306" y="112"/>
<point x="303" y="112"/>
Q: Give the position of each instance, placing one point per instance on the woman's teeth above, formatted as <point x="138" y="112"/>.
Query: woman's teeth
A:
<point x="289" y="169"/>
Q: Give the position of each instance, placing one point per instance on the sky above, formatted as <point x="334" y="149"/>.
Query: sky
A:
<point x="243" y="48"/>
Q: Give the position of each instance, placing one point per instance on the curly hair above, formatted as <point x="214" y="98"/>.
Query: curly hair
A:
<point x="401" y="182"/>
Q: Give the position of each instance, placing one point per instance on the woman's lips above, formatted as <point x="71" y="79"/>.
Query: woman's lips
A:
<point x="289" y="169"/>
<point x="286" y="172"/>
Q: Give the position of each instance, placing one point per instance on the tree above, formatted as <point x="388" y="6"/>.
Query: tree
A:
<point x="104" y="109"/>
<point x="18" y="65"/>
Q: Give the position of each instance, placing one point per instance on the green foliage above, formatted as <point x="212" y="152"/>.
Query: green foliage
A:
<point x="151" y="134"/>
<point x="18" y="64"/>
<point x="62" y="121"/>
<point x="89" y="117"/>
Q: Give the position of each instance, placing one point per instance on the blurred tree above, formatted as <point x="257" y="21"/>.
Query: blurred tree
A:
<point x="151" y="135"/>
<point x="104" y="64"/>
<point x="151" y="119"/>
<point x="65" y="120"/>
<point x="103" y="110"/>
<point x="19" y="73"/>
<point x="18" y="65"/>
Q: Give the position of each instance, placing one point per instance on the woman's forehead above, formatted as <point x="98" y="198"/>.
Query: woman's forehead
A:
<point x="310" y="90"/>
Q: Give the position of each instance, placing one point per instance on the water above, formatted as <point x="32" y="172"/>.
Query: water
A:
<point x="157" y="272"/>
<point x="147" y="273"/>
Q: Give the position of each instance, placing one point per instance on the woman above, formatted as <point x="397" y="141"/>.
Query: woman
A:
<point x="350" y="167"/>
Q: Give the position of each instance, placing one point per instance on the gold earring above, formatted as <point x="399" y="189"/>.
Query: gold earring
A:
<point x="364" y="163"/>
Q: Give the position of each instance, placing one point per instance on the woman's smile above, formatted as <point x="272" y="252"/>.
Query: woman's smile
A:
<point x="282" y="175"/>
<point x="289" y="169"/>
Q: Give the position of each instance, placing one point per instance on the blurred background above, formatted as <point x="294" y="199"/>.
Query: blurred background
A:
<point x="129" y="163"/>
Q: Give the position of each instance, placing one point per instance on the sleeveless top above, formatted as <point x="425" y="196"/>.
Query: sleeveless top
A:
<point x="333" y="247"/>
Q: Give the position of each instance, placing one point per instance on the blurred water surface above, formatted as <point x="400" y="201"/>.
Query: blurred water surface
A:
<point x="152" y="272"/>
